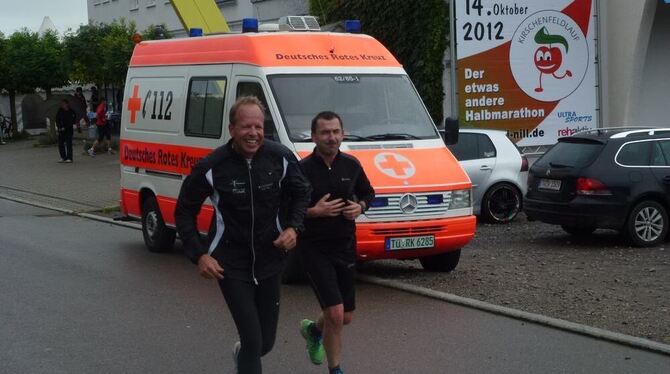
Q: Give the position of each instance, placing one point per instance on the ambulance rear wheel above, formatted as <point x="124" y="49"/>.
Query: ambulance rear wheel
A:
<point x="157" y="236"/>
<point x="444" y="262"/>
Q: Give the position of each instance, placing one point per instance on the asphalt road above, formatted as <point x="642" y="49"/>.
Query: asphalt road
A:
<point x="79" y="296"/>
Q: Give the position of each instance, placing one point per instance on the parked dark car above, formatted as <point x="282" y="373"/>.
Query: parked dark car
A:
<point x="615" y="178"/>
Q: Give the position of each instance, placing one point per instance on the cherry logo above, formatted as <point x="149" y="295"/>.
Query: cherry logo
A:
<point x="552" y="45"/>
<point x="549" y="59"/>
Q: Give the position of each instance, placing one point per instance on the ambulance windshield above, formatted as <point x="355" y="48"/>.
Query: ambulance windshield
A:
<point x="372" y="107"/>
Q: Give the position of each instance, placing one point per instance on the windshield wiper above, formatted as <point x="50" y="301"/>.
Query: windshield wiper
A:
<point x="393" y="136"/>
<point x="558" y="166"/>
<point x="356" y="138"/>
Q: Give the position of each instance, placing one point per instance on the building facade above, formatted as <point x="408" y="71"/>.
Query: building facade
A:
<point x="145" y="13"/>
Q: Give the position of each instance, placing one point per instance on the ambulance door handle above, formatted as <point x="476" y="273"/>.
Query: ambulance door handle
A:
<point x="485" y="167"/>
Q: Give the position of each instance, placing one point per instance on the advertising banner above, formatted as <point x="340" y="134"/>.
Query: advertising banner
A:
<point x="528" y="67"/>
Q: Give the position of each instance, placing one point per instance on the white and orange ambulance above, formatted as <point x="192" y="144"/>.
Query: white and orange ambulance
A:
<point x="177" y="97"/>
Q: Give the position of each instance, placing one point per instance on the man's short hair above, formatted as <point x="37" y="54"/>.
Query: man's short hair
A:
<point x="327" y="115"/>
<point x="244" y="100"/>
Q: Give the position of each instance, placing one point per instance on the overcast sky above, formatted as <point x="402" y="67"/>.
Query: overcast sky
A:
<point x="16" y="14"/>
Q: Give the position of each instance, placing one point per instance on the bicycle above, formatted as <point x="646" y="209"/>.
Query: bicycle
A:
<point x="5" y="129"/>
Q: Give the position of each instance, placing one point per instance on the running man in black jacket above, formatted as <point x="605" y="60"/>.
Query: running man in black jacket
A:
<point x="341" y="192"/>
<point x="259" y="195"/>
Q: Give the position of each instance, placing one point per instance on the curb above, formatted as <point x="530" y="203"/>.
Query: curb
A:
<point x="69" y="212"/>
<point x="539" y="319"/>
<point x="589" y="331"/>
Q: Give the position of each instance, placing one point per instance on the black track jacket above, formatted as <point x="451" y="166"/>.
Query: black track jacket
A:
<point x="254" y="201"/>
<point x="345" y="179"/>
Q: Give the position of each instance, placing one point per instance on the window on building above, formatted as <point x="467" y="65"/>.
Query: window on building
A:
<point x="204" y="109"/>
<point x="134" y="4"/>
<point x="151" y="3"/>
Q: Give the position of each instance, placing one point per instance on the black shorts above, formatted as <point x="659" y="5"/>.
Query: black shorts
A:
<point x="104" y="131"/>
<point x="331" y="274"/>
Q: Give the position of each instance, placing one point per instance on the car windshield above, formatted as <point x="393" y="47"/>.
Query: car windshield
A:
<point x="570" y="154"/>
<point x="372" y="107"/>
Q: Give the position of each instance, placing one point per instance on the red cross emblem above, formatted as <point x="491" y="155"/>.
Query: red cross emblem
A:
<point x="134" y="103"/>
<point x="395" y="165"/>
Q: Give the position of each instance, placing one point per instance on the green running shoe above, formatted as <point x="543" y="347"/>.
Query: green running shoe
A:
<point x="314" y="346"/>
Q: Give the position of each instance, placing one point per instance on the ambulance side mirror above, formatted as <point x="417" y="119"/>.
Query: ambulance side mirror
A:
<point x="450" y="131"/>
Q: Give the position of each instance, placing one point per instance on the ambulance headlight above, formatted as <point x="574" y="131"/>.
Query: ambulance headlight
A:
<point x="460" y="199"/>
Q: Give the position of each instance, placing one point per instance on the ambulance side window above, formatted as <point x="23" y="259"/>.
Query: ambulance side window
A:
<point x="255" y="89"/>
<point x="204" y="109"/>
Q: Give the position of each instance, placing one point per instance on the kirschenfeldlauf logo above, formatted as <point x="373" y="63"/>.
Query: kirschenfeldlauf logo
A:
<point x="549" y="55"/>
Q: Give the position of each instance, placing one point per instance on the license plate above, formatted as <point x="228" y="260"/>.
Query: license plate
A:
<point x="550" y="184"/>
<point x="409" y="242"/>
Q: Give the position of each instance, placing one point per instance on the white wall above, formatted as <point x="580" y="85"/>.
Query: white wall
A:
<point x="651" y="98"/>
<point x="625" y="27"/>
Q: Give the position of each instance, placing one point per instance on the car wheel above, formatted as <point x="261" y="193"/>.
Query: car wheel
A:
<point x="444" y="262"/>
<point x="579" y="230"/>
<point x="501" y="203"/>
<point x="157" y="236"/>
<point x="293" y="271"/>
<point x="647" y="224"/>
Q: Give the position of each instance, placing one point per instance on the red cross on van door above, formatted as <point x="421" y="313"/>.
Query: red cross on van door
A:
<point x="395" y="165"/>
<point x="134" y="103"/>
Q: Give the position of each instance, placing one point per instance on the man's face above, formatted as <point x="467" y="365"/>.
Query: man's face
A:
<point x="247" y="130"/>
<point x="328" y="136"/>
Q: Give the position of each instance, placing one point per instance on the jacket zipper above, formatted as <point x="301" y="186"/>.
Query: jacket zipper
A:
<point x="253" y="219"/>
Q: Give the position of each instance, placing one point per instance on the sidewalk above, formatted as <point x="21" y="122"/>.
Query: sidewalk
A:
<point x="89" y="184"/>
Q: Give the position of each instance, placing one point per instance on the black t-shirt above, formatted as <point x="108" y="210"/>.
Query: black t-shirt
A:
<point x="345" y="179"/>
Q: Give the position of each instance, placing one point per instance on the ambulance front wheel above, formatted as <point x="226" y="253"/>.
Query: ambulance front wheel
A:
<point x="444" y="262"/>
<point x="157" y="236"/>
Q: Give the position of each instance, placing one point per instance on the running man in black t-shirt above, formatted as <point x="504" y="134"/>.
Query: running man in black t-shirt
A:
<point x="341" y="192"/>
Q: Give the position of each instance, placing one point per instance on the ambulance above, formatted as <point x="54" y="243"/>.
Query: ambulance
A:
<point x="178" y="94"/>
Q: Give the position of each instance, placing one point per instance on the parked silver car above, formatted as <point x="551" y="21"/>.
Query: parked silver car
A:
<point x="497" y="170"/>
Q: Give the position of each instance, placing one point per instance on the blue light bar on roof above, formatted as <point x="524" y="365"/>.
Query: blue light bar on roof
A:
<point x="195" y="31"/>
<point x="353" y="26"/>
<point x="250" y="25"/>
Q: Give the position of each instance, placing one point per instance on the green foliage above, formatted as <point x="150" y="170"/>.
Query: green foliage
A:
<point x="416" y="32"/>
<point x="100" y="53"/>
<point x="151" y="32"/>
<point x="117" y="47"/>
<point x="50" y="67"/>
<point x="21" y="53"/>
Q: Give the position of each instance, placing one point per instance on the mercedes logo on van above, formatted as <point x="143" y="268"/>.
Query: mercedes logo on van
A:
<point x="548" y="172"/>
<point x="408" y="203"/>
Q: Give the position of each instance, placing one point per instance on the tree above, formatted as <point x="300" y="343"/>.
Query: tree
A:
<point x="83" y="51"/>
<point x="117" y="47"/>
<point x="50" y="66"/>
<point x="416" y="32"/>
<point x="20" y="51"/>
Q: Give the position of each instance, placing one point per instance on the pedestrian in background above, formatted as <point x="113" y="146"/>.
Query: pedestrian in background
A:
<point x="259" y="196"/>
<point x="81" y="107"/>
<point x="65" y="120"/>
<point x="104" y="128"/>
<point x="341" y="192"/>
<point x="94" y="98"/>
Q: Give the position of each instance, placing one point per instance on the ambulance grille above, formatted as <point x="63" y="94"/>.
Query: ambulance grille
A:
<point x="393" y="210"/>
<point x="409" y="230"/>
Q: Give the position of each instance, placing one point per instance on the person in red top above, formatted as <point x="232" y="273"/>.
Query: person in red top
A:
<point x="104" y="128"/>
